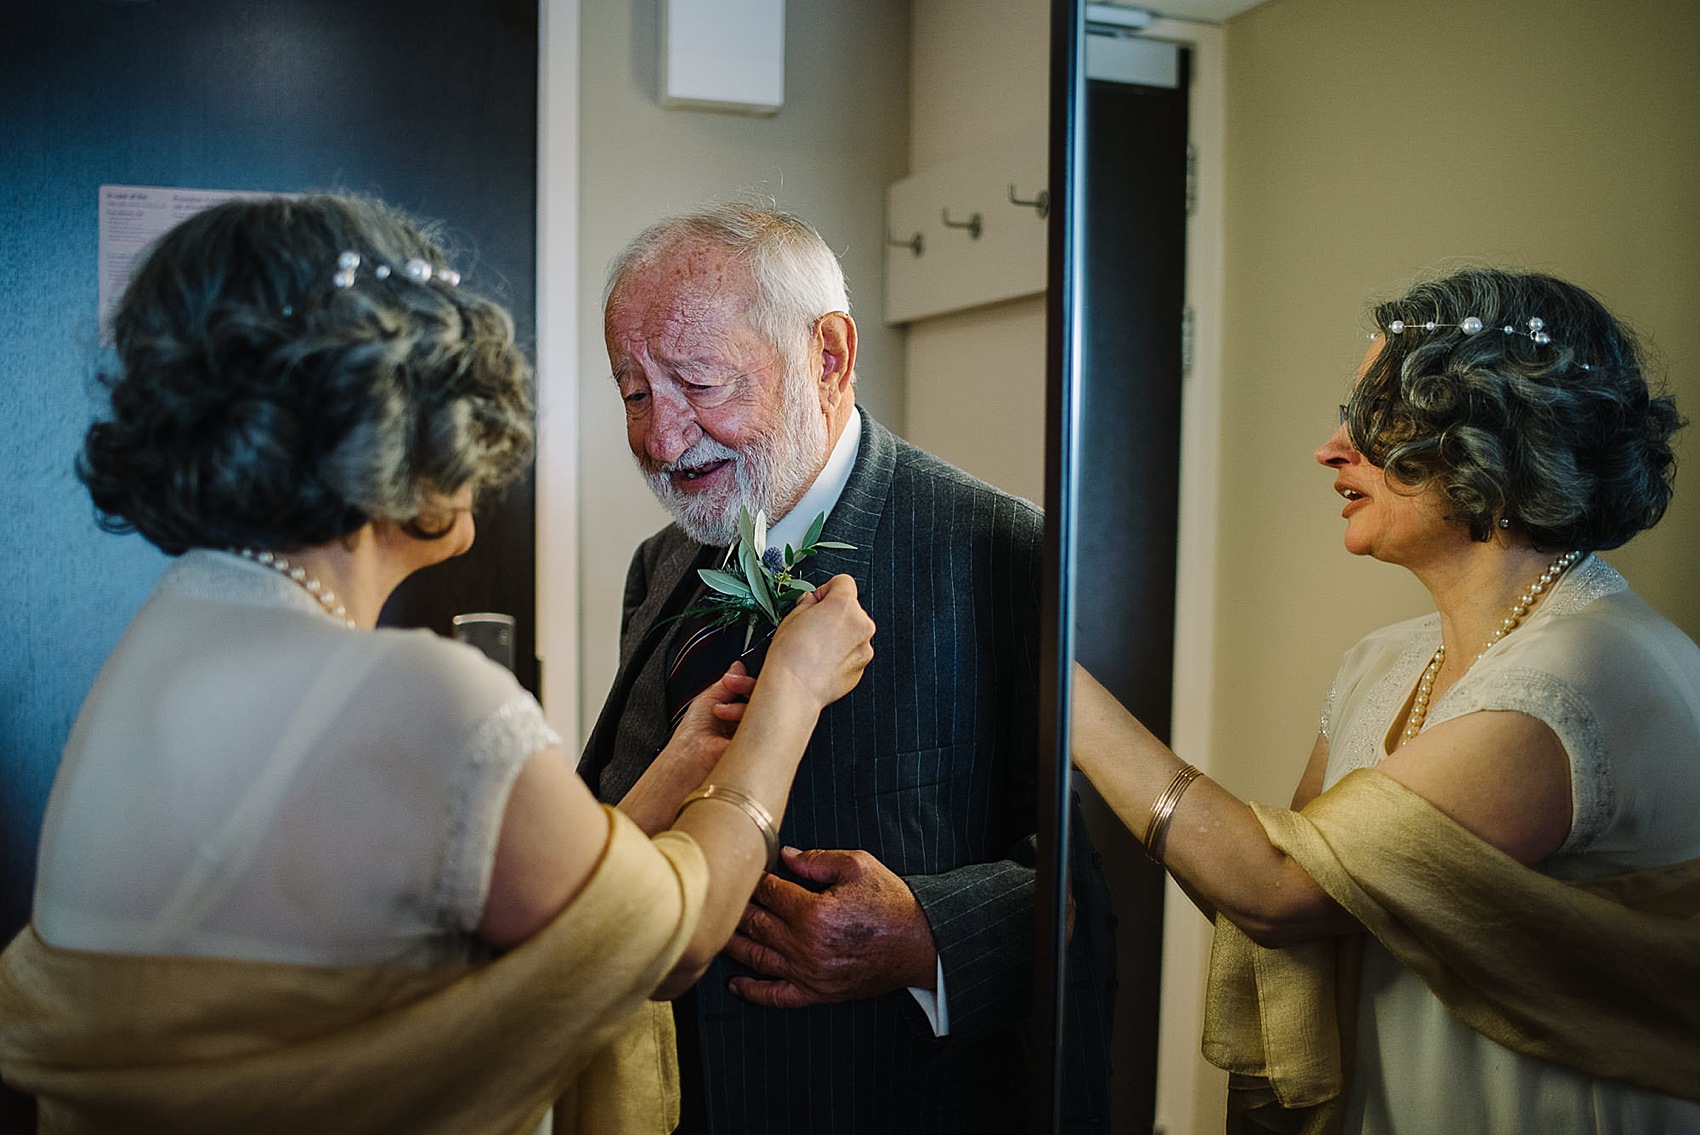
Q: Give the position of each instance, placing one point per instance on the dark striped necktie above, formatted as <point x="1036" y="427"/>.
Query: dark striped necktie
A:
<point x="702" y="652"/>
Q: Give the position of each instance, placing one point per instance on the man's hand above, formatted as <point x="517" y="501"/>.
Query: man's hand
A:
<point x="861" y="936"/>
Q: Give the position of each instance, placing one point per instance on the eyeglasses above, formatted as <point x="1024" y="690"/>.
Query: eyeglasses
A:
<point x="1380" y="407"/>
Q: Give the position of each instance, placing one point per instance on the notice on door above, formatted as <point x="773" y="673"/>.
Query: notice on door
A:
<point x="133" y="217"/>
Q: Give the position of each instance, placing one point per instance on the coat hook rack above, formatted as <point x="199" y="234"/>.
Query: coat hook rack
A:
<point x="1040" y="204"/>
<point x="972" y="224"/>
<point x="913" y="244"/>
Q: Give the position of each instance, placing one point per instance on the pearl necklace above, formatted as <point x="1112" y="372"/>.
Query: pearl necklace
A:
<point x="1514" y="618"/>
<point x="298" y="576"/>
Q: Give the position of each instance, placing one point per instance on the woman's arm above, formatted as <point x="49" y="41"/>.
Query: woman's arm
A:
<point x="1216" y="850"/>
<point x="691" y="753"/>
<point x="553" y="833"/>
<point x="1310" y="784"/>
<point x="1501" y="775"/>
<point x="553" y="830"/>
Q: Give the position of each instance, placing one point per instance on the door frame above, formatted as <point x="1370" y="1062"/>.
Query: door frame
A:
<point x="1191" y="1093"/>
<point x="558" y="483"/>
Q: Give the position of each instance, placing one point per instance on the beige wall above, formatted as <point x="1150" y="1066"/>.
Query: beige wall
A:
<point x="828" y="155"/>
<point x="1372" y="141"/>
<point x="976" y="379"/>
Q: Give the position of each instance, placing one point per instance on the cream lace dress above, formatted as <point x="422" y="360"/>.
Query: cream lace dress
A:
<point x="1620" y="686"/>
<point x="251" y="779"/>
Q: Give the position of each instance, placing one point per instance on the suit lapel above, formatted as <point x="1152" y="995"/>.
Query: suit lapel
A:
<point x="632" y="726"/>
<point x="855" y="519"/>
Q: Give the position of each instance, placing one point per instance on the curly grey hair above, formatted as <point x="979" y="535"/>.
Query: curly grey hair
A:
<point x="256" y="404"/>
<point x="798" y="278"/>
<point x="1564" y="440"/>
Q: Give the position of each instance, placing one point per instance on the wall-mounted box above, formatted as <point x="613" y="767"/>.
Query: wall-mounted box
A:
<point x="723" y="55"/>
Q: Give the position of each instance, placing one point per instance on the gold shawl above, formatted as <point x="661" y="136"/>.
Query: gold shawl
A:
<point x="111" y="1043"/>
<point x="1596" y="975"/>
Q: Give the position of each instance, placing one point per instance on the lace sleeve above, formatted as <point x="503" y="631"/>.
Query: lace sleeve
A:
<point x="496" y="752"/>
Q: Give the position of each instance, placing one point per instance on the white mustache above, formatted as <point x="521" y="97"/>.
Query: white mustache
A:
<point x="705" y="451"/>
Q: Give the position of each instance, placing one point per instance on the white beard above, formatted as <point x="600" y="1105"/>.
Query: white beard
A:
<point x="773" y="471"/>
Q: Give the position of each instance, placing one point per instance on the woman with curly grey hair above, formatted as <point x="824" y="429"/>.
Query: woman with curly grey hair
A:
<point x="302" y="874"/>
<point x="1478" y="914"/>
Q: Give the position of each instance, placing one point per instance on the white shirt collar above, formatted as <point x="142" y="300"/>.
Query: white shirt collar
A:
<point x="823" y="495"/>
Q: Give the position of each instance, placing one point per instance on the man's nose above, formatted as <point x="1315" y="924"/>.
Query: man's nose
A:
<point x="672" y="429"/>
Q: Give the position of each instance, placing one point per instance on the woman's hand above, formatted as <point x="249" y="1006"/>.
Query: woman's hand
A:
<point x="824" y="642"/>
<point x="691" y="753"/>
<point x="708" y="724"/>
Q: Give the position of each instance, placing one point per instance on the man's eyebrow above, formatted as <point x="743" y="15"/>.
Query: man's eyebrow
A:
<point x="705" y="363"/>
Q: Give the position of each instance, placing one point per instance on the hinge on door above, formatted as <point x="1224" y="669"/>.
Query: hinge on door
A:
<point x="1189" y="329"/>
<point x="1191" y="179"/>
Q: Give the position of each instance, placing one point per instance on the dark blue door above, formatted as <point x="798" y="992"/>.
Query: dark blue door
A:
<point x="430" y="104"/>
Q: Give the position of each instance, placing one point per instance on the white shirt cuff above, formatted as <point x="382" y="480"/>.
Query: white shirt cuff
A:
<point x="934" y="1004"/>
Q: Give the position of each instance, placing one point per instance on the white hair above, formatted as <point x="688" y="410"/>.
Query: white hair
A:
<point x="797" y="276"/>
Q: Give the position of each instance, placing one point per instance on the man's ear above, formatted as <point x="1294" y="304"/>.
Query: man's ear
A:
<point x="834" y="348"/>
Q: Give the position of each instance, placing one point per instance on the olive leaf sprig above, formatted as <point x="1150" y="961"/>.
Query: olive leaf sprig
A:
<point x="767" y="583"/>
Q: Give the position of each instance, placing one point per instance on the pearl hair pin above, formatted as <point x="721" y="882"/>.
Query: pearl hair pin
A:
<point x="298" y="575"/>
<point x="1513" y="619"/>
<point x="417" y="269"/>
<point x="1472" y="325"/>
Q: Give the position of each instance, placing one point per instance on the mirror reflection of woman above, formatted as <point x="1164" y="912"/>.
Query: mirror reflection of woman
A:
<point x="300" y="873"/>
<point x="1505" y="794"/>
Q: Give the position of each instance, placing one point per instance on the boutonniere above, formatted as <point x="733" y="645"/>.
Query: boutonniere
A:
<point x="760" y="582"/>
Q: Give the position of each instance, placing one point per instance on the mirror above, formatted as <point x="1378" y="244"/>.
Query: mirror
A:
<point x="1352" y="174"/>
<point x="1116" y="314"/>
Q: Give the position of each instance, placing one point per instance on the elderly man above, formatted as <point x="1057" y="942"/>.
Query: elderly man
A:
<point x="881" y="975"/>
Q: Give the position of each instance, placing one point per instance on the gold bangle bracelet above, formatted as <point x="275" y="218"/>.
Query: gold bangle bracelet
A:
<point x="762" y="817"/>
<point x="1157" y="828"/>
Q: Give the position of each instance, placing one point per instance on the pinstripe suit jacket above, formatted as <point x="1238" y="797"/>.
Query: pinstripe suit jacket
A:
<point x="928" y="764"/>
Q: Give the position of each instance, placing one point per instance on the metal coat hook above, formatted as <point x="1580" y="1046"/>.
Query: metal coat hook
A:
<point x="1040" y="204"/>
<point x="913" y="244"/>
<point x="972" y="224"/>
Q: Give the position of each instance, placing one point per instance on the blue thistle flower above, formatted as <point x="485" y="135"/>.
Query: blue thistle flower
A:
<point x="741" y="591"/>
